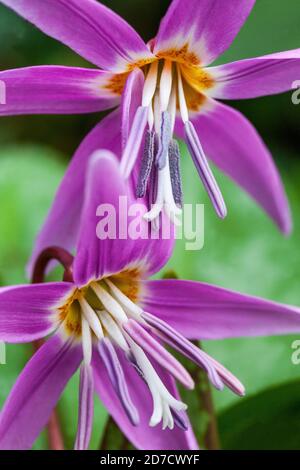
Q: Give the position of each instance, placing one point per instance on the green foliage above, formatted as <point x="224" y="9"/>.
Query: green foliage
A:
<point x="245" y="252"/>
<point x="268" y="421"/>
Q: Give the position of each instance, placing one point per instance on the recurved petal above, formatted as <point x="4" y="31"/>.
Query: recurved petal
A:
<point x="114" y="236"/>
<point x="259" y="76"/>
<point x="26" y="312"/>
<point x="62" y="223"/>
<point x="201" y="31"/>
<point x="36" y="392"/>
<point x="234" y="145"/>
<point x="56" y="90"/>
<point x="89" y="28"/>
<point x="202" y="311"/>
<point x="141" y="436"/>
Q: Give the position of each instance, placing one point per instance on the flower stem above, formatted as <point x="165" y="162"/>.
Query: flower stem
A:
<point x="55" y="437"/>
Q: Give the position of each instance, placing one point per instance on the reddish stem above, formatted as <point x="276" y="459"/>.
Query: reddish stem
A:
<point x="55" y="437"/>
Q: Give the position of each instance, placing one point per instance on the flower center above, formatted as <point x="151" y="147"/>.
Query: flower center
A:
<point x="104" y="315"/>
<point x="172" y="86"/>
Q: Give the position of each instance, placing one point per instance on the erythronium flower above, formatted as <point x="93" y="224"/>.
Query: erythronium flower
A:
<point x="108" y="319"/>
<point x="179" y="92"/>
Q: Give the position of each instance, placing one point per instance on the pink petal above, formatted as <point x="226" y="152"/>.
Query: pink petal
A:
<point x="98" y="257"/>
<point x="234" y="145"/>
<point x="62" y="223"/>
<point x="89" y="28"/>
<point x="36" y="392"/>
<point x="202" y="311"/>
<point x="25" y="311"/>
<point x="141" y="436"/>
<point x="267" y="75"/>
<point x="208" y="27"/>
<point x="56" y="90"/>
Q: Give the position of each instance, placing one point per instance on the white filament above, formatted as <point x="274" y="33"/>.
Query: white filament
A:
<point x="113" y="329"/>
<point x="130" y="307"/>
<point x="109" y="303"/>
<point x="165" y="85"/>
<point x="91" y="318"/>
<point x="182" y="102"/>
<point x="150" y="84"/>
<point x="163" y="401"/>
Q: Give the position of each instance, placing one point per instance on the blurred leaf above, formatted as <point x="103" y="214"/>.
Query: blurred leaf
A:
<point x="267" y="421"/>
<point x="271" y="27"/>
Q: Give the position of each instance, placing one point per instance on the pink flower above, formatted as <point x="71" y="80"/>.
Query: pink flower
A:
<point x="165" y="86"/>
<point x="112" y="322"/>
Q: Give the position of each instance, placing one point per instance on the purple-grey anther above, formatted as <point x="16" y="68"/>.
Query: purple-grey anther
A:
<point x="174" y="162"/>
<point x="146" y="165"/>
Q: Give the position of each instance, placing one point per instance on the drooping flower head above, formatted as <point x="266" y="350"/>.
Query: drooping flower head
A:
<point x="165" y="86"/>
<point x="108" y="319"/>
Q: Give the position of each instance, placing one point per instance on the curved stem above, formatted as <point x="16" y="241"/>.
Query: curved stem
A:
<point x="55" y="437"/>
<point x="50" y="254"/>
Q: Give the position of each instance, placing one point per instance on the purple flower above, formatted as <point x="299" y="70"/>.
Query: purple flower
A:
<point x="164" y="86"/>
<point x="113" y="323"/>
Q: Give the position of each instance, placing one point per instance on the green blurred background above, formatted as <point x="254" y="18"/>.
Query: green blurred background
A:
<point x="245" y="252"/>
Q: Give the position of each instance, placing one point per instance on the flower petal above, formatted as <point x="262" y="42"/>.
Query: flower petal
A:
<point x="62" y="224"/>
<point x="260" y="76"/>
<point x="234" y="145"/>
<point x="201" y="30"/>
<point x="25" y="311"/>
<point x="56" y="90"/>
<point x="202" y="311"/>
<point x="86" y="408"/>
<point x="131" y="100"/>
<point x="36" y="392"/>
<point x="112" y="243"/>
<point x="142" y="436"/>
<point x="89" y="28"/>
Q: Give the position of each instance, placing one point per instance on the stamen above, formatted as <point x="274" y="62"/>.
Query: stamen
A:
<point x="150" y="84"/>
<point x="109" y="303"/>
<point x="159" y="353"/>
<point x="127" y="304"/>
<point x="134" y="141"/>
<point x="180" y="420"/>
<point x="86" y="341"/>
<point x="204" y="170"/>
<point x="181" y="344"/>
<point x="91" y="318"/>
<point x="165" y="85"/>
<point x="168" y="421"/>
<point x="154" y="212"/>
<point x="228" y="378"/>
<point x="159" y="392"/>
<point x="165" y="138"/>
<point x="146" y="166"/>
<point x="182" y="103"/>
<point x="116" y="374"/>
<point x="86" y="408"/>
<point x="174" y="161"/>
<point x="113" y="330"/>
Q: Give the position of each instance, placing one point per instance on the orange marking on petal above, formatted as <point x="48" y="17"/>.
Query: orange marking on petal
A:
<point x="198" y="78"/>
<point x="194" y="100"/>
<point x="182" y="55"/>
